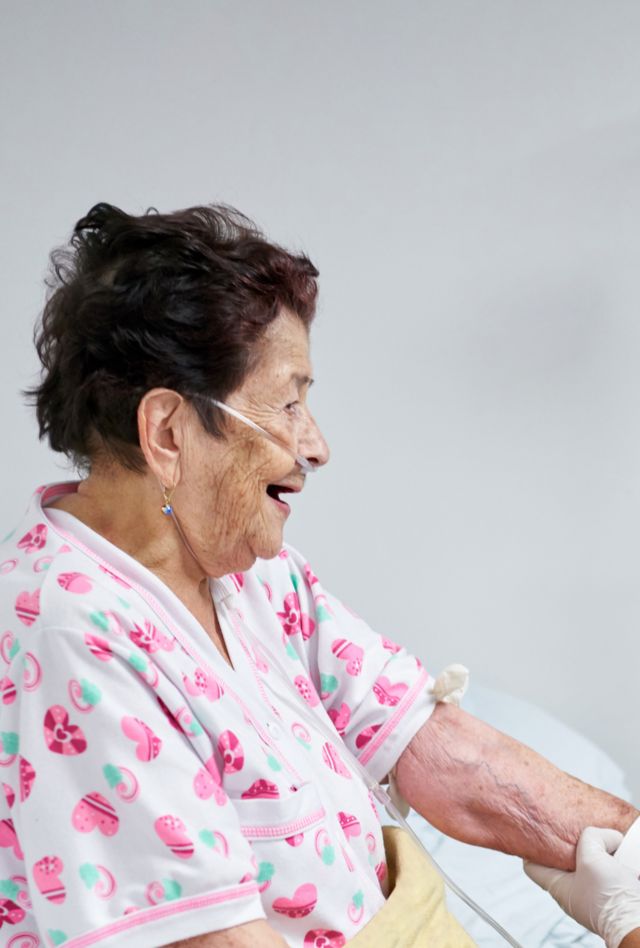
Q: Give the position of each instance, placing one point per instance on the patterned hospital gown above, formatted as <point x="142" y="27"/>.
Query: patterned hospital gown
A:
<point x="151" y="791"/>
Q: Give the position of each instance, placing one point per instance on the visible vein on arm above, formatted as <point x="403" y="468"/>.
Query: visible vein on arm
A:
<point x="482" y="787"/>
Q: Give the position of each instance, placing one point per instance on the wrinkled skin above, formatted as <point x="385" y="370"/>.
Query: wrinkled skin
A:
<point x="220" y="495"/>
<point x="465" y="777"/>
<point x="488" y="789"/>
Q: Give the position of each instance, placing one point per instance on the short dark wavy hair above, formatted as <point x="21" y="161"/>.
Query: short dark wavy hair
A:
<point x="176" y="300"/>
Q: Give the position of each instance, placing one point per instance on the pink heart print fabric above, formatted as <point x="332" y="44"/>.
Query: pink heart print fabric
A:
<point x="151" y="792"/>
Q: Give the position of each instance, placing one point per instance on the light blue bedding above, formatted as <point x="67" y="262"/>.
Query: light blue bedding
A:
<point x="494" y="880"/>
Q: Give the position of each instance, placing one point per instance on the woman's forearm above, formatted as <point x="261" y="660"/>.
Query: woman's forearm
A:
<point x="480" y="786"/>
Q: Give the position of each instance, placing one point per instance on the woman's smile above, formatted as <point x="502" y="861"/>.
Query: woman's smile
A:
<point x="275" y="492"/>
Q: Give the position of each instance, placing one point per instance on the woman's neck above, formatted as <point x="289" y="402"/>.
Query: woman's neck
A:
<point x="125" y="509"/>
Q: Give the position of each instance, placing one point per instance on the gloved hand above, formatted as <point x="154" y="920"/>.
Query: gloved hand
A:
<point x="602" y="894"/>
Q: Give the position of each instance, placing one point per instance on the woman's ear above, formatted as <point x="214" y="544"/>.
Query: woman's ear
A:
<point x="163" y="432"/>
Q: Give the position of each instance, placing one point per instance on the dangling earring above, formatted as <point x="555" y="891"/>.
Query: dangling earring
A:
<point x="167" y="507"/>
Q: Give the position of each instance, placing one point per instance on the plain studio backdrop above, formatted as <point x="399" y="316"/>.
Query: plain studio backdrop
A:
<point x="466" y="176"/>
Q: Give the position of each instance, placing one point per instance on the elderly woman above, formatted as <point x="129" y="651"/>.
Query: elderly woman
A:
<point x="166" y="780"/>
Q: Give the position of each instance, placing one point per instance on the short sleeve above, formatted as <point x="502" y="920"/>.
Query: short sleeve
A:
<point x="376" y="693"/>
<point x="127" y="839"/>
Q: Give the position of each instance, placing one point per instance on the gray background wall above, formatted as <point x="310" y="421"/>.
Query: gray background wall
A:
<point x="467" y="177"/>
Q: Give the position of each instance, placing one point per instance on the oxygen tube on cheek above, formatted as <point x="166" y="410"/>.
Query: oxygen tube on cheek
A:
<point x="293" y="699"/>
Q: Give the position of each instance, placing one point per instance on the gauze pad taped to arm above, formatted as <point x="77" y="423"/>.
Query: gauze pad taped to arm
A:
<point x="449" y="687"/>
<point x="451" y="684"/>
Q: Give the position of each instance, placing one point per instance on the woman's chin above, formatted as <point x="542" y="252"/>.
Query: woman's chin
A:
<point x="271" y="545"/>
<point x="264" y="548"/>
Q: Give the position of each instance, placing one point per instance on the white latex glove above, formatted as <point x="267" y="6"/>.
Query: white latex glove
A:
<point x="602" y="894"/>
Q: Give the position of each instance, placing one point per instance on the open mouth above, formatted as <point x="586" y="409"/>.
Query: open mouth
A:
<point x="275" y="491"/>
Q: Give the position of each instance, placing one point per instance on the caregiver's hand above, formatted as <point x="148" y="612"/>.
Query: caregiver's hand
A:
<point x="602" y="894"/>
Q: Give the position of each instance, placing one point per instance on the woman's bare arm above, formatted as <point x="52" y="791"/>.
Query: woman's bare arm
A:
<point x="478" y="785"/>
<point x="240" y="936"/>
<point x="632" y="940"/>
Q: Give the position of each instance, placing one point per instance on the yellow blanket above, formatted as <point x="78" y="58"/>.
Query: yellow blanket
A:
<point x="415" y="914"/>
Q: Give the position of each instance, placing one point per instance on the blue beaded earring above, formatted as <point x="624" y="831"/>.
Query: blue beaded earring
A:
<point x="167" y="507"/>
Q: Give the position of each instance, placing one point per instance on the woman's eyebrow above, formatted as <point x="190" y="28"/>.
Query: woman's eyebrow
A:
<point x="302" y="380"/>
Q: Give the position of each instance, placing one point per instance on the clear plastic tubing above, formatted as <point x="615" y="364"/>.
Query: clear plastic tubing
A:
<point x="292" y="698"/>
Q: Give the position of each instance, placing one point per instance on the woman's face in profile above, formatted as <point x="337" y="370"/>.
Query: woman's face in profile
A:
<point x="227" y="491"/>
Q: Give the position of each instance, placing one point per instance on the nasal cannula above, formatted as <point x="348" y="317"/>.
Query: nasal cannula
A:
<point x="292" y="698"/>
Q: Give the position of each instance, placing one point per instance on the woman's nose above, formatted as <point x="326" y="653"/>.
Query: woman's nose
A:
<point x="312" y="444"/>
